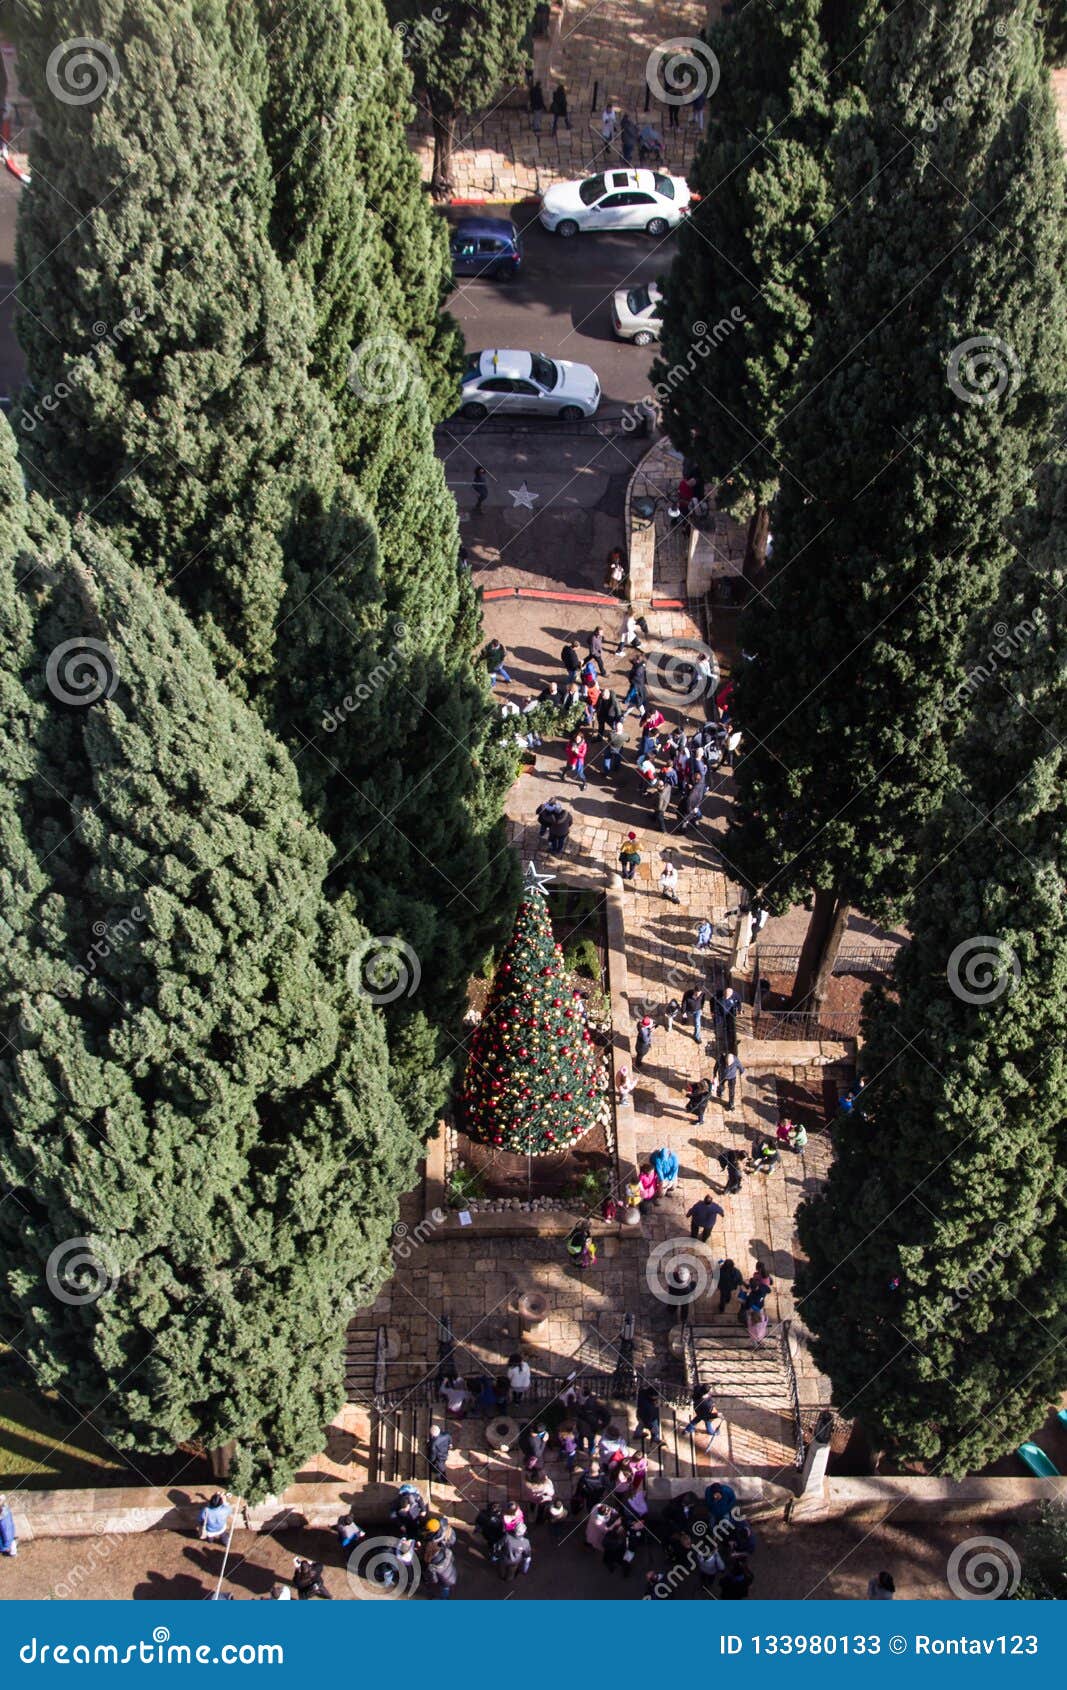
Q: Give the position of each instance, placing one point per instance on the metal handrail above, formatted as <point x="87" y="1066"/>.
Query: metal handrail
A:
<point x="794" y="1392"/>
<point x="381" y="1358"/>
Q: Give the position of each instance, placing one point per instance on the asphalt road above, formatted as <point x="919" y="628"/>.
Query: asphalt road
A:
<point x="561" y="302"/>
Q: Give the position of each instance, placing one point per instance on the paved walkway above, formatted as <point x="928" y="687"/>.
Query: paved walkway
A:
<point x="602" y="54"/>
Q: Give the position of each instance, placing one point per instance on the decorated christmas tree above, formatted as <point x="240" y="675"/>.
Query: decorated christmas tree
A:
<point x="533" y="1082"/>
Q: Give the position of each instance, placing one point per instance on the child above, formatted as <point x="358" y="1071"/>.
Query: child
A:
<point x="624" y="1085"/>
<point x="703" y="941"/>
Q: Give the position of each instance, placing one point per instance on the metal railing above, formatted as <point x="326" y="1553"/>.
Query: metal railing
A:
<point x="381" y="1359"/>
<point x="794" y="1392"/>
<point x="804" y="1023"/>
<point x="857" y="959"/>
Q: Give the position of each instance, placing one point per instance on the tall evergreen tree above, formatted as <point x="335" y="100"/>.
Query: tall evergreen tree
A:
<point x="197" y="1124"/>
<point x="936" y="1285"/>
<point x="751" y="255"/>
<point x="463" y="56"/>
<point x="926" y="402"/>
<point x="166" y="349"/>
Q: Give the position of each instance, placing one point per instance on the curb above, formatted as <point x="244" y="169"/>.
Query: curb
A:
<point x="526" y="199"/>
<point x="542" y="594"/>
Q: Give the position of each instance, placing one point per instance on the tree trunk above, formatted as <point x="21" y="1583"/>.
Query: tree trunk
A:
<point x="444" y="146"/>
<point x="826" y="929"/>
<point x="755" y="564"/>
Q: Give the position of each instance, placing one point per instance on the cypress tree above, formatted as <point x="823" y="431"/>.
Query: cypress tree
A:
<point x="751" y="255"/>
<point x="927" y="400"/>
<point x="197" y="1125"/>
<point x="936" y="1285"/>
<point x="166" y="349"/>
<point x="463" y="56"/>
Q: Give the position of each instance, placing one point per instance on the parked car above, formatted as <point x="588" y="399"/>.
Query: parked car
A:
<point x="515" y="382"/>
<point x="637" y="314"/>
<point x="617" y="199"/>
<point x="486" y="246"/>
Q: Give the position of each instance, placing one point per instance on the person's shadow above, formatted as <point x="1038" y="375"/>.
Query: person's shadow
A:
<point x="171" y="1587"/>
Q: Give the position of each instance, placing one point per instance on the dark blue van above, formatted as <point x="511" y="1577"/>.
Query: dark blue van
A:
<point x="486" y="246"/>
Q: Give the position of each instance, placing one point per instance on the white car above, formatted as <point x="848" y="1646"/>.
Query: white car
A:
<point x="637" y="314"/>
<point x="514" y="383"/>
<point x="617" y="199"/>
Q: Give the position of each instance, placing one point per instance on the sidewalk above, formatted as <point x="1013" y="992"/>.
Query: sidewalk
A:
<point x="602" y="54"/>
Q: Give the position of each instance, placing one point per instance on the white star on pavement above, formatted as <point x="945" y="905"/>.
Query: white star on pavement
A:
<point x="523" y="496"/>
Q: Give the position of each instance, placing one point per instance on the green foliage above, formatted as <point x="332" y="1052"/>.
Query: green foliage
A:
<point x="464" y="1186"/>
<point x="580" y="956"/>
<point x="753" y="250"/>
<point x="463" y="56"/>
<point x="889" y="533"/>
<point x="532" y="1081"/>
<point x="590" y="1188"/>
<point x="936" y="1285"/>
<point x="1044" y="1556"/>
<point x="189" y="1082"/>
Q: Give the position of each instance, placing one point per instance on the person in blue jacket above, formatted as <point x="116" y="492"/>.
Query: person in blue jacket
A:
<point x="9" y="1543"/>
<point x="215" y="1517"/>
<point x="720" y="1499"/>
<point x="665" y="1167"/>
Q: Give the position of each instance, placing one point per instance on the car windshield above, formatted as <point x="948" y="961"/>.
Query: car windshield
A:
<point x="664" y="186"/>
<point x="638" y="300"/>
<point x="544" y="371"/>
<point x="473" y="365"/>
<point x="591" y="190"/>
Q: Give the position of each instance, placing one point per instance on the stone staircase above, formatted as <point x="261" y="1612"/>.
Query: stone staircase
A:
<point x="754" y="1394"/>
<point x="361" y="1343"/>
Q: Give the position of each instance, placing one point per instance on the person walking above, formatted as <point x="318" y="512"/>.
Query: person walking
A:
<point x="559" y="107"/>
<point x="644" y="1041"/>
<point x="728" y="1078"/>
<point x="629" y="634"/>
<point x="494" y="655"/>
<point x="9" y="1543"/>
<point x="629" y="856"/>
<point x="648" y="1412"/>
<point x="662" y="793"/>
<point x="609" y="123"/>
<point x="481" y="488"/>
<point x="635" y="693"/>
<point x="615" y="747"/>
<point x="730" y="1163"/>
<point x="537" y="106"/>
<point x="577" y="752"/>
<point x="595" y="647"/>
<point x="730" y="1280"/>
<point x="570" y="660"/>
<point x="702" y="1217"/>
<point x="668" y="883"/>
<point x="437" y="1448"/>
<point x="559" y="827"/>
<point x="705" y="1412"/>
<point x="699" y="1098"/>
<point x="533" y="1441"/>
<point x="693" y="1002"/>
<point x="214" y="1518"/>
